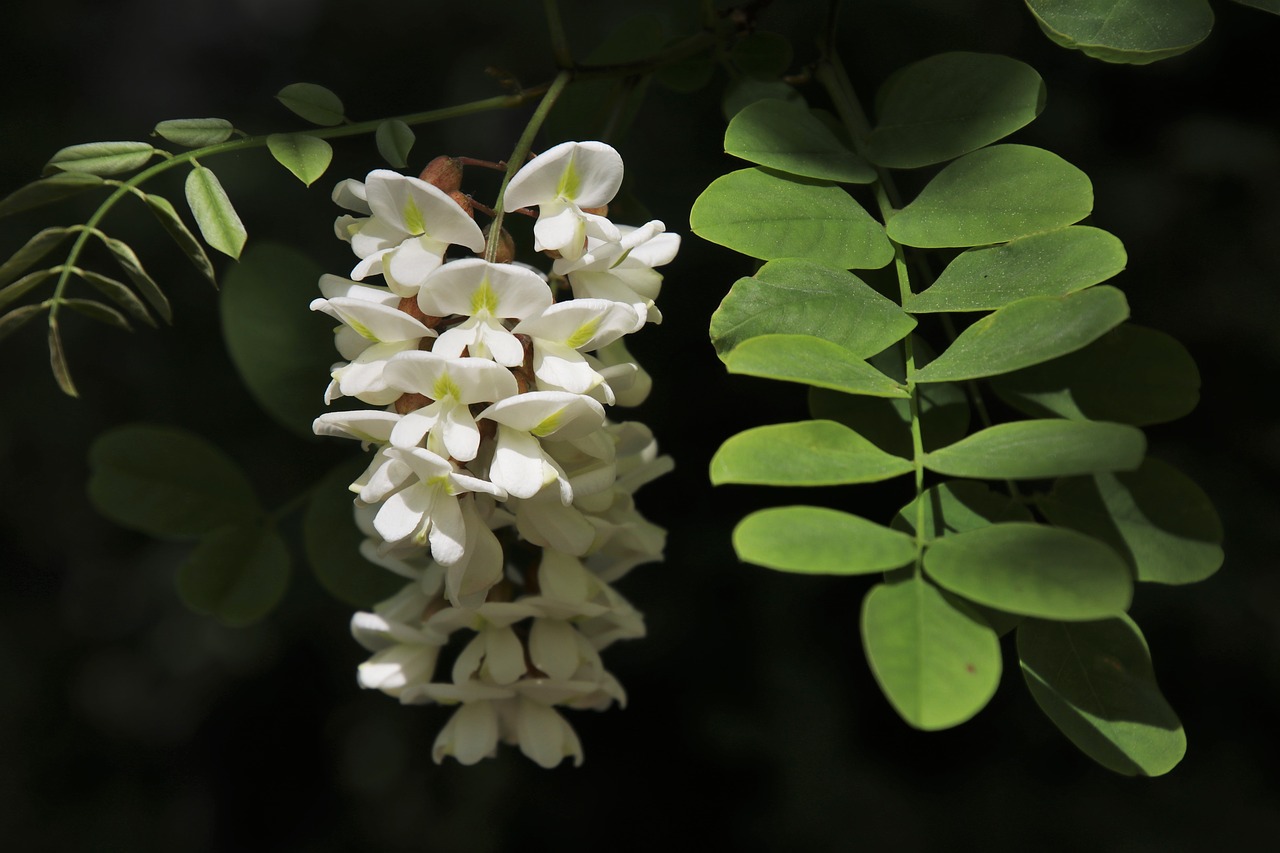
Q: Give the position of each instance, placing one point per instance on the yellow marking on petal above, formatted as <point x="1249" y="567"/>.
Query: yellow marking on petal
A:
<point x="445" y="387"/>
<point x="362" y="330"/>
<point x="548" y="425"/>
<point x="413" y="218"/>
<point x="584" y="333"/>
<point x="484" y="299"/>
<point x="620" y="259"/>
<point x="570" y="180"/>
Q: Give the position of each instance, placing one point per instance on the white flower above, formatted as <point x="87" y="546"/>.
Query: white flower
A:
<point x="520" y="465"/>
<point x="559" y="332"/>
<point x="561" y="181"/>
<point x="485" y="294"/>
<point x="452" y="384"/>
<point x="623" y="271"/>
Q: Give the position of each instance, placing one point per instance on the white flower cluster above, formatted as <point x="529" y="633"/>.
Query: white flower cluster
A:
<point x="499" y="488"/>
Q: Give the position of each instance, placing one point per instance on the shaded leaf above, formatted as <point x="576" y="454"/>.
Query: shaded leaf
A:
<point x="305" y="156"/>
<point x="957" y="506"/>
<point x="101" y="158"/>
<point x="18" y="317"/>
<point x="236" y="574"/>
<point x="13" y="292"/>
<point x="818" y="541"/>
<point x="182" y="235"/>
<point x="745" y="91"/>
<point x="46" y="190"/>
<point x="1029" y="450"/>
<point x="1272" y="6"/>
<point x="98" y="311"/>
<point x="810" y="360"/>
<point x="132" y="267"/>
<point x="219" y="223"/>
<point x="394" y="139"/>
<point x="58" y="359"/>
<point x="314" y="103"/>
<point x="808" y="453"/>
<point x="1127" y="31"/>
<point x="787" y="137"/>
<point x="687" y="75"/>
<point x="117" y="293"/>
<point x="762" y="54"/>
<point x="195" y="132"/>
<point x="332" y="542"/>
<point x="33" y="250"/>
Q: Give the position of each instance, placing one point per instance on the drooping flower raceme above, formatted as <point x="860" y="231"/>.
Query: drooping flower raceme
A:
<point x="498" y="488"/>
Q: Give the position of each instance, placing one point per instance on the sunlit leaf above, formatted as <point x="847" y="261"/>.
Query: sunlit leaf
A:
<point x="236" y="574"/>
<point x="332" y="542"/>
<point x="1028" y="450"/>
<point x="787" y="137"/>
<point x="957" y="506"/>
<point x="195" y="132"/>
<point x="302" y="154"/>
<point x="810" y="360"/>
<point x="808" y="453"/>
<point x="101" y="158"/>
<point x="182" y="235"/>
<point x="46" y="190"/>
<point x="33" y="250"/>
<point x="394" y="139"/>
<point x="314" y="103"/>
<point x="1129" y="31"/>
<point x="819" y="541"/>
<point x="217" y="218"/>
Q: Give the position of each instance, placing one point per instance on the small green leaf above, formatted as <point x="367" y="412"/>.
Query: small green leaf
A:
<point x="937" y="663"/>
<point x="813" y="361"/>
<point x="1128" y="31"/>
<point x="218" y="221"/>
<point x="950" y="104"/>
<point x="101" y="158"/>
<point x="46" y="190"/>
<point x="1095" y="681"/>
<point x="97" y="311"/>
<point x="957" y="506"/>
<point x="808" y="453"/>
<point x="332" y="542"/>
<point x="182" y="235"/>
<point x="1029" y="332"/>
<point x="817" y="541"/>
<point x="1132" y="374"/>
<point x="302" y="154"/>
<point x="13" y="292"/>
<point x="1030" y="450"/>
<point x="1156" y="517"/>
<point x="767" y="215"/>
<point x="33" y="250"/>
<point x="167" y="482"/>
<point x="787" y="137"/>
<point x="58" y="359"/>
<point x="314" y="103"/>
<point x="994" y="195"/>
<point x="195" y="132"/>
<point x="117" y="293"/>
<point x="237" y="574"/>
<point x="132" y="267"/>
<point x="395" y="139"/>
<point x="18" y="317"/>
<point x="762" y="54"/>
<point x="794" y="296"/>
<point x="1053" y="263"/>
<point x="1032" y="569"/>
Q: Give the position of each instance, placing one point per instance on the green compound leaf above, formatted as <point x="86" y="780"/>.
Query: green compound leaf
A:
<point x="1129" y="31"/>
<point x="97" y="311"/>
<point x="278" y="349"/>
<point x="787" y="137"/>
<point x="793" y="296"/>
<point x="314" y="103"/>
<point x="19" y="317"/>
<point x="195" y="132"/>
<point x="813" y="361"/>
<point x="1032" y="569"/>
<point x="1029" y="450"/>
<point x="808" y="453"/>
<point x="15" y="291"/>
<point x="167" y="482"/>
<point x="46" y="190"/>
<point x="237" y="573"/>
<point x="817" y="541"/>
<point x="117" y="293"/>
<point x="767" y="215"/>
<point x="1157" y="518"/>
<point x="101" y="158"/>
<point x="178" y="230"/>
<point x="994" y="195"/>
<point x="1132" y="374"/>
<point x="950" y="104"/>
<point x="957" y="506"/>
<point x="937" y="663"/>
<point x="332" y="542"/>
<point x="395" y="139"/>
<point x="219" y="223"/>
<point x="762" y="54"/>
<point x="1028" y="332"/>
<point x="132" y="267"/>
<point x="33" y="250"/>
<point x="302" y="154"/>
<point x="1095" y="681"/>
<point x="1054" y="263"/>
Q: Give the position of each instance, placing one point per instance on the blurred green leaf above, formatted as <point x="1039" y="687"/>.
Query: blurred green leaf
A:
<point x="394" y="139"/>
<point x="812" y="361"/>
<point x="217" y="218"/>
<point x="762" y="54"/>
<point x="195" y="132"/>
<point x="787" y="137"/>
<point x="808" y="453"/>
<point x="172" y="222"/>
<point x="314" y="103"/>
<point x="46" y="190"/>
<point x="819" y="541"/>
<point x="237" y="573"/>
<point x="745" y="91"/>
<point x="1029" y="450"/>
<point x="332" y="542"/>
<point x="1127" y="31"/>
<point x="1272" y="6"/>
<point x="101" y="158"/>
<point x="957" y="506"/>
<point x="302" y="154"/>
<point x="33" y="250"/>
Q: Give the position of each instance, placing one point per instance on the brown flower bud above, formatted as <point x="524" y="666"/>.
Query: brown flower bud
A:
<point x="506" y="245"/>
<point x="602" y="210"/>
<point x="409" y="305"/>
<point x="411" y="402"/>
<point x="464" y="201"/>
<point x="444" y="173"/>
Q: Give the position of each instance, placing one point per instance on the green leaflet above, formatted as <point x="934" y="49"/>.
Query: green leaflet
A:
<point x="1032" y="569"/>
<point x="814" y="540"/>
<point x="217" y="218"/>
<point x="33" y="250"/>
<point x="1053" y="263"/>
<point x="172" y="222"/>
<point x="787" y="137"/>
<point x="994" y="195"/>
<point x="937" y="663"/>
<point x="195" y="132"/>
<point x="302" y="154"/>
<point x="47" y="190"/>
<point x="1094" y="680"/>
<point x="236" y="574"/>
<point x="19" y="317"/>
<point x="810" y="360"/>
<point x="957" y="506"/>
<point x="314" y="103"/>
<point x="332" y="542"/>
<point x="1155" y="517"/>
<point x="57" y="354"/>
<point x="1127" y="31"/>
<point x="97" y="311"/>
<point x="101" y="158"/>
<point x="117" y="293"/>
<point x="132" y="267"/>
<point x="12" y="292"/>
<point x="950" y="104"/>
<point x="809" y="453"/>
<point x="1272" y="6"/>
<point x="394" y="139"/>
<point x="1031" y="450"/>
<point x="767" y="215"/>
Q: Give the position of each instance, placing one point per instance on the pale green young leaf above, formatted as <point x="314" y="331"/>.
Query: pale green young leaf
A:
<point x="787" y="137"/>
<point x="808" y="453"/>
<point x="1028" y="332"/>
<point x="994" y="195"/>
<point x="1030" y="450"/>
<point x="1033" y="570"/>
<point x="279" y="349"/>
<point x="167" y="482"/>
<point x="33" y="250"/>
<point x="394" y="139"/>
<point x="767" y="215"/>
<point x="47" y="190"/>
<point x="146" y="285"/>
<point x="117" y="293"/>
<point x="1157" y="518"/>
<point x="98" y="311"/>
<point x="812" y="361"/>
<point x="195" y="132"/>
<point x="101" y="158"/>
<point x="950" y="104"/>
<point x="1095" y="681"/>
<point x="818" y="541"/>
<point x="15" y="291"/>
<point x="19" y="317"/>
<point x="762" y="54"/>
<point x="178" y="230"/>
<point x="312" y="102"/>
<point x="302" y="154"/>
<point x="936" y="661"/>
<point x="332" y="542"/>
<point x="1132" y="374"/>
<point x="58" y="359"/>
<point x="795" y="296"/>
<point x="236" y="574"/>
<point x="957" y="506"/>
<point x="219" y="223"/>
<point x="1053" y="263"/>
<point x="1136" y="32"/>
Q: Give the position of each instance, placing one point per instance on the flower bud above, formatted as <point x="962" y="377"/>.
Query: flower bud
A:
<point x="602" y="210"/>
<point x="409" y="305"/>
<point x="506" y="245"/>
<point x="464" y="201"/>
<point x="411" y="402"/>
<point x="444" y="173"/>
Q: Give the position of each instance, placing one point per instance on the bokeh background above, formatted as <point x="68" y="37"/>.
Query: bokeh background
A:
<point x="129" y="723"/>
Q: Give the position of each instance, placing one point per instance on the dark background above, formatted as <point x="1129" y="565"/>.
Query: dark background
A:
<point x="128" y="723"/>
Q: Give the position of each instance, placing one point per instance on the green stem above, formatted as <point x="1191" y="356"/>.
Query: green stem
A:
<point x="559" y="41"/>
